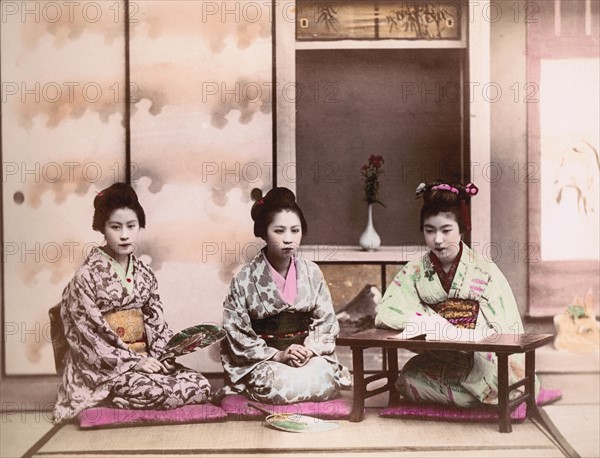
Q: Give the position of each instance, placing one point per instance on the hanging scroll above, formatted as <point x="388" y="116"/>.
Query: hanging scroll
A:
<point x="372" y="20"/>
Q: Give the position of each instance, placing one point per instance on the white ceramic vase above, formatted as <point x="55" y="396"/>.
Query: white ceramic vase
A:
<point x="369" y="240"/>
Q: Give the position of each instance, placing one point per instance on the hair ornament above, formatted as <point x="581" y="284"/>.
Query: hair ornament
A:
<point x="446" y="187"/>
<point x="455" y="200"/>
<point x="257" y="195"/>
<point x="471" y="189"/>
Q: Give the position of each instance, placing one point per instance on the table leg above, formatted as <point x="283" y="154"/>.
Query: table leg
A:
<point x="392" y="375"/>
<point x="503" y="405"/>
<point x="360" y="388"/>
<point x="530" y="384"/>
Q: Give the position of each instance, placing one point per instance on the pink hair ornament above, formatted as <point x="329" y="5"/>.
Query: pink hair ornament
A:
<point x="471" y="189"/>
<point x="446" y="187"/>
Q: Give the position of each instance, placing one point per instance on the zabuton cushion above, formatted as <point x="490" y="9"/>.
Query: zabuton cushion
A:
<point x="109" y="417"/>
<point x="484" y="413"/>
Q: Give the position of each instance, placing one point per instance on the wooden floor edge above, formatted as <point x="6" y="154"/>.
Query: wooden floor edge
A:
<point x="269" y="451"/>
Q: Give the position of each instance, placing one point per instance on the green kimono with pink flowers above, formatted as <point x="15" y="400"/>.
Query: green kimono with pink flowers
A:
<point x="478" y="287"/>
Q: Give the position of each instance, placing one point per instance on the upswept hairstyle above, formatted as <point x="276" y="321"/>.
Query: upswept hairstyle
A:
<point x="116" y="196"/>
<point x="265" y="208"/>
<point x="440" y="197"/>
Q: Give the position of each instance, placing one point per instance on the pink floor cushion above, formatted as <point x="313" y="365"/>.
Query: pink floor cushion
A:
<point x="237" y="408"/>
<point x="108" y="417"/>
<point x="440" y="412"/>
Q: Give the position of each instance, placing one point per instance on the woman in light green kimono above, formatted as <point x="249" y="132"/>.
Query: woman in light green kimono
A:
<point x="462" y="287"/>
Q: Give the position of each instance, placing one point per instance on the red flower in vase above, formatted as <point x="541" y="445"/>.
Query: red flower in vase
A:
<point x="371" y="171"/>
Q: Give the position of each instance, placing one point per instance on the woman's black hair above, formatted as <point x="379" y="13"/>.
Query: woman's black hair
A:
<point x="116" y="196"/>
<point x="440" y="197"/>
<point x="265" y="208"/>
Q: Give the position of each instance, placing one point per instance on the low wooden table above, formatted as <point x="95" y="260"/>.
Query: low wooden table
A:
<point x="503" y="345"/>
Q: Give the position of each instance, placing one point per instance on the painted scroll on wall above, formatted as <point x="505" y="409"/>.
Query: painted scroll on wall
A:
<point x="563" y="119"/>
<point x="570" y="167"/>
<point x="370" y="19"/>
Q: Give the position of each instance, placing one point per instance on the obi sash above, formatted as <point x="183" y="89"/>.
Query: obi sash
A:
<point x="282" y="330"/>
<point x="462" y="313"/>
<point x="129" y="326"/>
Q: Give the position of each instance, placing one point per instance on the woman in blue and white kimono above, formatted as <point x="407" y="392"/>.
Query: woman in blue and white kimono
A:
<point x="280" y="322"/>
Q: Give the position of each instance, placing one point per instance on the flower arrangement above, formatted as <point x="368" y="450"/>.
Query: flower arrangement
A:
<point x="371" y="171"/>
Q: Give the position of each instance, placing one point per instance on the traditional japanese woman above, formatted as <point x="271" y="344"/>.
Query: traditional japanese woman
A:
<point x="114" y="324"/>
<point x="280" y="322"/>
<point x="458" y="284"/>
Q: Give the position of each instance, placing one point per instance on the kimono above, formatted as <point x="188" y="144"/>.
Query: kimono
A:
<point x="477" y="288"/>
<point x="98" y="364"/>
<point x="246" y="356"/>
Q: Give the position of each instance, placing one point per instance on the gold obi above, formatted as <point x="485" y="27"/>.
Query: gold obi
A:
<point x="129" y="326"/>
<point x="462" y="313"/>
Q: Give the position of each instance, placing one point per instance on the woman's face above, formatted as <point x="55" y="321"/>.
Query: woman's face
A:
<point x="121" y="231"/>
<point x="283" y="236"/>
<point x="442" y="236"/>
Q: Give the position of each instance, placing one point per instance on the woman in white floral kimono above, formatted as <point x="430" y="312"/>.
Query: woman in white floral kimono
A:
<point x="279" y="318"/>
<point x="114" y="324"/>
<point x="461" y="286"/>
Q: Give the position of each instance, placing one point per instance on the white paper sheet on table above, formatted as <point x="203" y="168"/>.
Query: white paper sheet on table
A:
<point x="434" y="327"/>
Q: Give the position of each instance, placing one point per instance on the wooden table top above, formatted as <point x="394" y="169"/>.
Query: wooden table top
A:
<point x="503" y="343"/>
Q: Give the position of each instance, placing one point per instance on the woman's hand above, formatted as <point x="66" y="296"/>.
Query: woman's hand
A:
<point x="169" y="364"/>
<point x="295" y="355"/>
<point x="150" y="365"/>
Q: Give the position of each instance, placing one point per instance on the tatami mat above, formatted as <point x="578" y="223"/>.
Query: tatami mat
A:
<point x="549" y="359"/>
<point x="374" y="434"/>
<point x="576" y="388"/>
<point x="20" y="430"/>
<point x="580" y="426"/>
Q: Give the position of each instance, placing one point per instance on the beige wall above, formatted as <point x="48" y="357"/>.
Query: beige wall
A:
<point x="201" y="120"/>
<point x="509" y="147"/>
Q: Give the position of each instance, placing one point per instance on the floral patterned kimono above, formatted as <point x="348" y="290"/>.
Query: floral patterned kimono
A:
<point x="100" y="307"/>
<point x="246" y="356"/>
<point x="472" y="295"/>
